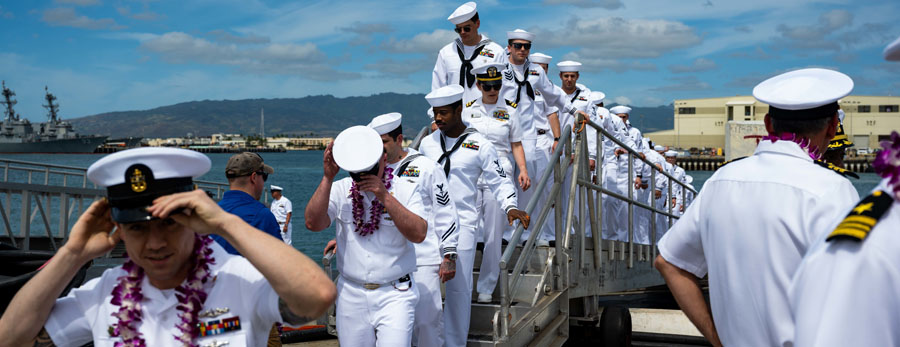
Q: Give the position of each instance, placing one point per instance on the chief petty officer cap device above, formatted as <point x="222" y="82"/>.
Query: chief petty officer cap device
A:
<point x="134" y="178"/>
<point x="357" y="150"/>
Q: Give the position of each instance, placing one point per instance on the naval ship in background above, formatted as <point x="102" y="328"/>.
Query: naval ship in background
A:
<point x="19" y="135"/>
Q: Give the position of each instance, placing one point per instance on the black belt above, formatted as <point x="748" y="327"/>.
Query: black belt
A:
<point x="542" y="131"/>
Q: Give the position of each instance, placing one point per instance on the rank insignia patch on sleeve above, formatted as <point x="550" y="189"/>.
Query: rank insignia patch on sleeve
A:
<point x="863" y="217"/>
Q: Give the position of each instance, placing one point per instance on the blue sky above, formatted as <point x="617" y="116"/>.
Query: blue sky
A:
<point x="113" y="55"/>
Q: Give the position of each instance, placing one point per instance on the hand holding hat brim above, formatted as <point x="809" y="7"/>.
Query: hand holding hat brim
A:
<point x="90" y="236"/>
<point x="194" y="210"/>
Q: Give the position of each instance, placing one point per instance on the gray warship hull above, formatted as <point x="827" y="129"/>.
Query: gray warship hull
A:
<point x="86" y="144"/>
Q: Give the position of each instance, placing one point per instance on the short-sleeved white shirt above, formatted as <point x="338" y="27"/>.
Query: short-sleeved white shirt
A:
<point x="748" y="228"/>
<point x="280" y="208"/>
<point x="85" y="314"/>
<point x="847" y="293"/>
<point x="383" y="256"/>
<point x="496" y="122"/>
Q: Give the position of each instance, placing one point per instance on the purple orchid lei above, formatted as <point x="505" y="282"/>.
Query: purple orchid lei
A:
<point x="374" y="211"/>
<point x="191" y="296"/>
<point x="887" y="163"/>
<point x="803" y="142"/>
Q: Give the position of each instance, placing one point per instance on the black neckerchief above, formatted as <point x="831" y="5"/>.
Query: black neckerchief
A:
<point x="446" y="156"/>
<point x="577" y="91"/>
<point x="528" y="89"/>
<point x="466" y="78"/>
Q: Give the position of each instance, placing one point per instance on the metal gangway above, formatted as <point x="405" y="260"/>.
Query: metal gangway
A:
<point x="545" y="289"/>
<point x="39" y="202"/>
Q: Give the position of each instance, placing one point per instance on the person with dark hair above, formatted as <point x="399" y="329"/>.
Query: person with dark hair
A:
<point x="755" y="218"/>
<point x="177" y="287"/>
<point x="456" y="60"/>
<point x="465" y="156"/>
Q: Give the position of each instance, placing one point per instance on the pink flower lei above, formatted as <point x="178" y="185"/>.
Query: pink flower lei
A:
<point x="804" y="143"/>
<point x="191" y="296"/>
<point x="375" y="210"/>
<point x="887" y="163"/>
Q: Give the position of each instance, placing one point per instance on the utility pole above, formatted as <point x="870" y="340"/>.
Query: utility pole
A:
<point x="262" y="123"/>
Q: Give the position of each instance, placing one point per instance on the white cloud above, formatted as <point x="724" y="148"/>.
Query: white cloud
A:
<point x="814" y="35"/>
<point x="225" y="36"/>
<point x="698" y="65"/>
<point x="365" y="31"/>
<point x="78" y="2"/>
<point x="400" y="68"/>
<point x="606" y="4"/>
<point x="305" y="60"/>
<point x="687" y="83"/>
<point x="145" y="16"/>
<point x="616" y="38"/>
<point x="622" y="100"/>
<point x="6" y="14"/>
<point x="141" y="37"/>
<point x="600" y="63"/>
<point x="428" y="42"/>
<point x="66" y="16"/>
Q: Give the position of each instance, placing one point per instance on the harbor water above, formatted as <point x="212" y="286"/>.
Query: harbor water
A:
<point x="299" y="173"/>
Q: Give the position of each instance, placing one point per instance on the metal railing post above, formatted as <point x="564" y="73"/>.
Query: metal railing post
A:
<point x="630" y="210"/>
<point x="26" y="219"/>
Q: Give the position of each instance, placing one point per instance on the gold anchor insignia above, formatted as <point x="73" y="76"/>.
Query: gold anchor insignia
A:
<point x="138" y="182"/>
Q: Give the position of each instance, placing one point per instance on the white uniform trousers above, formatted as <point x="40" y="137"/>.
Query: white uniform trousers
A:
<point x="286" y="236"/>
<point x="494" y="225"/>
<point x="379" y="317"/>
<point x="458" y="291"/>
<point x="543" y="152"/>
<point x="581" y="207"/>
<point x="642" y="217"/>
<point x="535" y="164"/>
<point x="617" y="213"/>
<point x="662" y="221"/>
<point x="610" y="204"/>
<point x="429" y="327"/>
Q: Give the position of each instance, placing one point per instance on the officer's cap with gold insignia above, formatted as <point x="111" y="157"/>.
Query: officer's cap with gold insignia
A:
<point x="804" y="94"/>
<point x="463" y="13"/>
<point x="134" y="178"/>
<point x="892" y="51"/>
<point x="840" y="140"/>
<point x="519" y="34"/>
<point x="540" y="58"/>
<point x="568" y="66"/>
<point x="357" y="150"/>
<point x="489" y="73"/>
<point x="445" y="95"/>
<point x="597" y="97"/>
<point x="620" y="109"/>
<point x="386" y="123"/>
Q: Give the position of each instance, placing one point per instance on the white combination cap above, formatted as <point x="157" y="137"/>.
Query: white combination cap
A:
<point x="671" y="154"/>
<point x="134" y="178"/>
<point x="540" y="58"/>
<point x="463" y="13"/>
<point x="445" y="95"/>
<point x="892" y="51"/>
<point x="386" y="123"/>
<point x="357" y="148"/>
<point x="568" y="66"/>
<point x="275" y="188"/>
<point x="519" y="34"/>
<point x="620" y="109"/>
<point x="484" y="72"/>
<point x="597" y="97"/>
<point x="659" y="148"/>
<point x="814" y="91"/>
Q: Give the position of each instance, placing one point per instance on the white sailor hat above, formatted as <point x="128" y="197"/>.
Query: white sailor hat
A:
<point x="659" y="148"/>
<point x="603" y="112"/>
<point x="671" y="154"/>
<point x="445" y="95"/>
<point x="540" y="58"/>
<point x="134" y="178"/>
<point x="568" y="66"/>
<point x="386" y="123"/>
<point x="463" y="13"/>
<point x="519" y="34"/>
<point x="688" y="179"/>
<point x="597" y="97"/>
<point x="357" y="149"/>
<point x="841" y="115"/>
<point x="484" y="73"/>
<point x="275" y="188"/>
<point x="620" y="109"/>
<point x="430" y="113"/>
<point x="804" y="94"/>
<point x="892" y="51"/>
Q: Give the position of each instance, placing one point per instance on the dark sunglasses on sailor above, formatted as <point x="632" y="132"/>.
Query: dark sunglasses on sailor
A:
<point x="518" y="45"/>
<point x="466" y="28"/>
<point x="491" y="86"/>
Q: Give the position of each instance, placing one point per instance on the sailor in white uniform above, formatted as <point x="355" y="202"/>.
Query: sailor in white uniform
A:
<point x="283" y="210"/>
<point x="521" y="84"/>
<point x="667" y="196"/>
<point x="612" y="207"/>
<point x="456" y="60"/>
<point x="645" y="194"/>
<point x="845" y="291"/>
<point x="465" y="156"/>
<point x="379" y="217"/>
<point x="678" y="189"/>
<point x="546" y="124"/>
<point x="755" y="218"/>
<point x="177" y="287"/>
<point x="619" y="207"/>
<point x="496" y="120"/>
<point x="658" y="199"/>
<point x="436" y="255"/>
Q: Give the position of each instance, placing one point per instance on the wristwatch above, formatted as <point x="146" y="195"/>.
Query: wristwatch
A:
<point x="555" y="139"/>
<point x="451" y="256"/>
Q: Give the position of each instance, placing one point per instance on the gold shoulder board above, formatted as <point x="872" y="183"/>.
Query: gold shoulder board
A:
<point x="512" y="104"/>
<point x="470" y="103"/>
<point x="863" y="217"/>
<point x="839" y="171"/>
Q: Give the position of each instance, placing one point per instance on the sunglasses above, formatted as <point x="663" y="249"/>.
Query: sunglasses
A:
<point x="263" y="174"/>
<point x="521" y="45"/>
<point x="466" y="28"/>
<point x="492" y="86"/>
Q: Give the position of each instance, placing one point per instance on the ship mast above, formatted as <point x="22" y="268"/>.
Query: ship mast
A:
<point x="9" y="102"/>
<point x="52" y="108"/>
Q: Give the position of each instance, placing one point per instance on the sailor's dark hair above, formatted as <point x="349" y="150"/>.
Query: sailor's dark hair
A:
<point x="474" y="18"/>
<point x="396" y="132"/>
<point x="456" y="104"/>
<point x="802" y="127"/>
